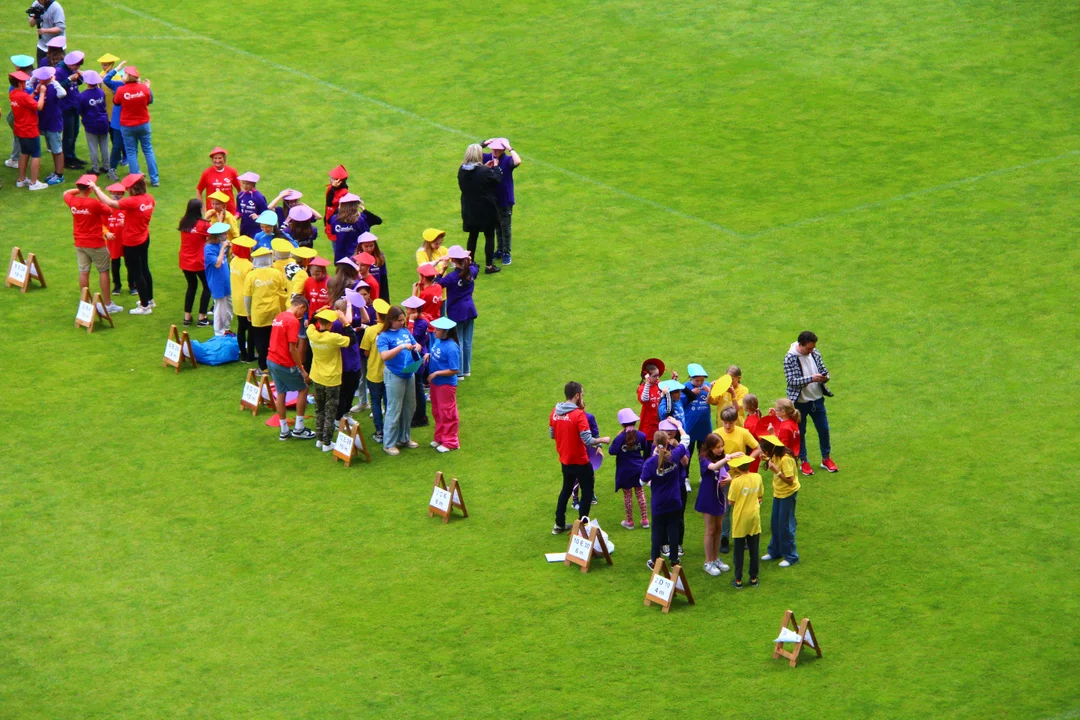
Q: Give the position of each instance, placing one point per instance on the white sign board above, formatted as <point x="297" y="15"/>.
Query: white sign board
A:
<point x="661" y="587"/>
<point x="344" y="444"/>
<point x="17" y="272"/>
<point x="580" y="548"/>
<point x="440" y="499"/>
<point x="172" y="351"/>
<point x="86" y="312"/>
<point x="251" y="394"/>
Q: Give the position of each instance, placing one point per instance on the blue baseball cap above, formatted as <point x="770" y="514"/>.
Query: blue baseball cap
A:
<point x="267" y="217"/>
<point x="443" y="323"/>
<point x="695" y="370"/>
<point x="22" y="61"/>
<point x="218" y="228"/>
<point x="671" y="386"/>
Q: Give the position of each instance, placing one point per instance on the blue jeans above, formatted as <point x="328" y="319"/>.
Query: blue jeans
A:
<point x="117" y="154"/>
<point x="816" y="411"/>
<point x="71" y="132"/>
<point x="135" y="136"/>
<point x="465" y="334"/>
<point x="400" y="406"/>
<point x="377" y="391"/>
<point x="782" y="542"/>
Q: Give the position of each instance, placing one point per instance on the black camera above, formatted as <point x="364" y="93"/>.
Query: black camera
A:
<point x="35" y="11"/>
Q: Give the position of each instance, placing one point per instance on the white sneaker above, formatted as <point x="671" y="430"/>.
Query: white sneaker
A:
<point x="113" y="308"/>
<point x="443" y="449"/>
<point x="22" y="183"/>
<point x="141" y="310"/>
<point x="318" y="444"/>
<point x="14" y="164"/>
<point x="712" y="569"/>
<point x="38" y="186"/>
<point x="327" y="448"/>
<point x="722" y="566"/>
<point x="152" y="303"/>
<point x="784" y="563"/>
<point x="767" y="557"/>
<point x="434" y="444"/>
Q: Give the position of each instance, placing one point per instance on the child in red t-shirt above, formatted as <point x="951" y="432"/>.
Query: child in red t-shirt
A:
<point x="788" y="427"/>
<point x="648" y="394"/>
<point x="752" y="422"/>
<point x="24" y="110"/>
<point x="429" y="291"/>
<point x="113" y="230"/>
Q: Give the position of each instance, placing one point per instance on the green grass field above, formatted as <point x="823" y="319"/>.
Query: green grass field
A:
<point x="701" y="182"/>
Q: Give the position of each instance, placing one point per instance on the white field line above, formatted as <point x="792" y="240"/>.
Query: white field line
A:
<point x="129" y="38"/>
<point x="420" y="118"/>
<point x="191" y="35"/>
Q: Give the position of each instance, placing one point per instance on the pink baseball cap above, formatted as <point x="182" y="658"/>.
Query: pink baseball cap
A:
<point x="627" y="416"/>
<point x="498" y="144"/>
<point x="667" y="425"/>
<point x="91" y="77"/>
<point x="347" y="261"/>
<point x="364" y="258"/>
<point x="427" y="270"/>
<point x="350" y="197"/>
<point x="456" y="252"/>
<point x="74" y="58"/>
<point x="367" y="237"/>
<point x="45" y="74"/>
<point x="292" y="195"/>
<point x="60" y="41"/>
<point x="132" y="71"/>
<point x="249" y="177"/>
<point x="300" y="213"/>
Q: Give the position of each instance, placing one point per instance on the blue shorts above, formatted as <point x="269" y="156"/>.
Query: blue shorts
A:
<point x="30" y="146"/>
<point x="54" y="141"/>
<point x="286" y="379"/>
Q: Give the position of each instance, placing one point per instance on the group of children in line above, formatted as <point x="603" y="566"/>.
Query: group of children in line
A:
<point x="655" y="449"/>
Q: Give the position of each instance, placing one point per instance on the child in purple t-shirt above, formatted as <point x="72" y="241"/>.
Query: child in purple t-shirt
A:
<point x="95" y="120"/>
<point x="630" y="450"/>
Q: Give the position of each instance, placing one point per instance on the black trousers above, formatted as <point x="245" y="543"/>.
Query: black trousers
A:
<point x="489" y="245"/>
<point x="581" y="475"/>
<point x="243" y="339"/>
<point x="136" y="259"/>
<point x="419" y="418"/>
<point x="117" y="285"/>
<point x="194" y="277"/>
<point x="667" y="529"/>
<point x="682" y="513"/>
<point x="71" y="132"/>
<point x="260" y="337"/>
<point x="350" y="380"/>
<point x="753" y="544"/>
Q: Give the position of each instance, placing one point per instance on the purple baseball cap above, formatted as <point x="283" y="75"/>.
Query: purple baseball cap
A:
<point x="412" y="302"/>
<point x="456" y="252"/>
<point x="292" y="195"/>
<point x="91" y="77"/>
<point x="350" y="197"/>
<point x="627" y="416"/>
<point x="44" y="74"/>
<point x="246" y="177"/>
<point x="498" y="144"/>
<point x="74" y="58"/>
<point x="347" y="261"/>
<point x="60" y="41"/>
<point x="355" y="298"/>
<point x="367" y="237"/>
<point x="300" y="213"/>
<point x="667" y="425"/>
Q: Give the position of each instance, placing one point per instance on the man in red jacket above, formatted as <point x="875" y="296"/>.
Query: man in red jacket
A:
<point x="570" y="431"/>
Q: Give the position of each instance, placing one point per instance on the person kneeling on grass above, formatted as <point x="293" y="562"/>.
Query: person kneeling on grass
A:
<point x="287" y="368"/>
<point x="326" y="347"/>
<point x="744" y="495"/>
<point x="444" y="364"/>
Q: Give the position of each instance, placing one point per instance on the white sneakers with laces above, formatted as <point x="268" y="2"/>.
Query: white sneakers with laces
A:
<point x="38" y="186"/>
<point x="141" y="310"/>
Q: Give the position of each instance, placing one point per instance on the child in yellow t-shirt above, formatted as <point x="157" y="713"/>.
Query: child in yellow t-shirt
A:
<point x="375" y="385"/>
<point x="264" y="290"/>
<point x="239" y="267"/>
<point x="736" y="439"/>
<point x="325" y="372"/>
<point x="744" y="498"/>
<point x="785" y="488"/>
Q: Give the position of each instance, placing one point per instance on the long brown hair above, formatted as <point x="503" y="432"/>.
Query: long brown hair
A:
<point x="335" y="286"/>
<point x="348" y="212"/>
<point x="709" y="445"/>
<point x="787" y="407"/>
<point x="660" y="440"/>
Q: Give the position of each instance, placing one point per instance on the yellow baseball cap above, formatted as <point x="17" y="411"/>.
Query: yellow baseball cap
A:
<point x="381" y="306"/>
<point x="721" y="386"/>
<point x="281" y="245"/>
<point x="772" y="440"/>
<point x="218" y="195"/>
<point x="327" y="315"/>
<point x="431" y="234"/>
<point x="304" y="253"/>
<point x="108" y="58"/>
<point x="740" y="461"/>
<point x="261" y="252"/>
<point x="244" y="241"/>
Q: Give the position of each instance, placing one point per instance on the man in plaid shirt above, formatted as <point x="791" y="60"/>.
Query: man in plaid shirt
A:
<point x="806" y="387"/>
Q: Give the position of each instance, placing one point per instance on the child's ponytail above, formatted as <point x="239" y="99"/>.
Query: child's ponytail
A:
<point x="787" y="409"/>
<point x="660" y="440"/>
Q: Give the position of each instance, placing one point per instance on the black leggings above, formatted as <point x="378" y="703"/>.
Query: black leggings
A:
<point x="419" y="418"/>
<point x="194" y="277"/>
<point x="666" y="530"/>
<point x="243" y="330"/>
<point x="135" y="257"/>
<point x="489" y="245"/>
<point x="753" y="544"/>
<point x="350" y="381"/>
<point x="116" y="275"/>
<point x="583" y="476"/>
<point x="260" y="337"/>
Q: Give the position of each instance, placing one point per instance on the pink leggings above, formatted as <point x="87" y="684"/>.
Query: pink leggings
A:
<point x="444" y="410"/>
<point x="629" y="505"/>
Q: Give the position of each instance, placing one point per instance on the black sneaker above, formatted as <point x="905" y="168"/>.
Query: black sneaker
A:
<point x="204" y="322"/>
<point x="559" y="529"/>
<point x="283" y="436"/>
<point x="649" y="564"/>
<point x="575" y="504"/>
<point x="737" y="584"/>
<point x="132" y="291"/>
<point x="492" y="269"/>
<point x="725" y="546"/>
<point x="595" y="501"/>
<point x="753" y="582"/>
<point x="73" y="164"/>
<point x="117" y="290"/>
<point x="187" y="321"/>
<point x="303" y="434"/>
<point x="377" y="437"/>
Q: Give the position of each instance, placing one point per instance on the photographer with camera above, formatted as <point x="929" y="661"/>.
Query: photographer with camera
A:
<point x="48" y="17"/>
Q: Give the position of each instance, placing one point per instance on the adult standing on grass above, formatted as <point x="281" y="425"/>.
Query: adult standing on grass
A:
<point x="807" y="379"/>
<point x="219" y="177"/>
<point x="50" y="24"/>
<point x="87" y="216"/>
<point x="25" y="108"/>
<point x="479" y="213"/>
<point x="569" y="429"/>
<point x="134" y="98"/>
<point x="138" y="208"/>
<point x="507" y="160"/>
<point x="192" y="260"/>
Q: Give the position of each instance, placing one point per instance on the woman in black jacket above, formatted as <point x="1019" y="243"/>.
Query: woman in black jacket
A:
<point x="479" y="213"/>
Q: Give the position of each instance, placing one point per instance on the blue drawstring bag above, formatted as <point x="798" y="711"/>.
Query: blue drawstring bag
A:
<point x="218" y="350"/>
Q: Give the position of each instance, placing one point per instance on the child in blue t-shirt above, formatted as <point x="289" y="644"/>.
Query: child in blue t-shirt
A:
<point x="671" y="401"/>
<point x="398" y="350"/>
<point x="696" y="420"/>
<point x="216" y="261"/>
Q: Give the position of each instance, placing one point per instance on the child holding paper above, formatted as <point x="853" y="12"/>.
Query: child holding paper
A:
<point x="418" y="326"/>
<point x="398" y="349"/>
<point x="630" y="450"/>
<point x="712" y="498"/>
<point x="744" y="495"/>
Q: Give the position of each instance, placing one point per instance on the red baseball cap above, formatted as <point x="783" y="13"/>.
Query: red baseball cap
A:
<point x="131" y="179"/>
<point x="117" y="188"/>
<point x="364" y="259"/>
<point x="132" y="71"/>
<point x="86" y="180"/>
<point x="319" y="262"/>
<point x="339" y="173"/>
<point x="427" y="270"/>
<point x="19" y="75"/>
<point x="217" y="150"/>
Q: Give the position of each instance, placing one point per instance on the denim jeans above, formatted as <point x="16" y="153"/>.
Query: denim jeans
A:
<point x="135" y="136"/>
<point x="816" y="411"/>
<point x="71" y="132"/>
<point x="400" y="406"/>
<point x="465" y="335"/>
<point x="117" y="153"/>
<point x="377" y="393"/>
<point x="782" y="542"/>
<point x="15" y="151"/>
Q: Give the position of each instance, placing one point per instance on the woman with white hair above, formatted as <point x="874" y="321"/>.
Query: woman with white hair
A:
<point x="479" y="214"/>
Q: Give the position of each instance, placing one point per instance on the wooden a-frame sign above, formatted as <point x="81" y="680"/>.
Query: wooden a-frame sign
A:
<point x="582" y="548"/>
<point x="445" y="498"/>
<point x="21" y="272"/>
<point x="178" y="350"/>
<point x="91" y="310"/>
<point x="256" y="393"/>
<point x="350" y="443"/>
<point x="664" y="585"/>
<point x="805" y="633"/>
